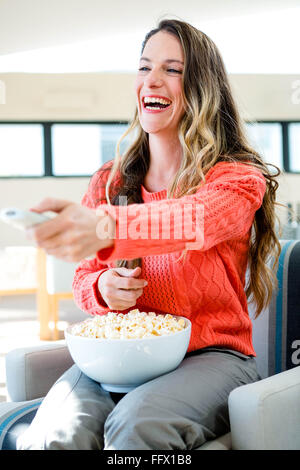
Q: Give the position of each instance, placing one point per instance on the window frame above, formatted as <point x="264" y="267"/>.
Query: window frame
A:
<point x="48" y="157"/>
<point x="43" y="152"/>
<point x="288" y="148"/>
<point x="47" y="151"/>
<point x="284" y="139"/>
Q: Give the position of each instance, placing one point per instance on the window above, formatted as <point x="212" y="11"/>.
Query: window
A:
<point x="266" y="139"/>
<point x="110" y="134"/>
<point x="21" y="150"/>
<point x="80" y="149"/>
<point x="294" y="146"/>
<point x="75" y="149"/>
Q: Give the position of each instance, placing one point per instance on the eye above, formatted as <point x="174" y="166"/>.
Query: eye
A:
<point x="173" y="70"/>
<point x="143" y="69"/>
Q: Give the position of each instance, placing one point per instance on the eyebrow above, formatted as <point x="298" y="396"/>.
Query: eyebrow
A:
<point x="167" y="61"/>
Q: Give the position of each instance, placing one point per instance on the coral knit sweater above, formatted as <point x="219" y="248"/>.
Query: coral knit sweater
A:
<point x="208" y="287"/>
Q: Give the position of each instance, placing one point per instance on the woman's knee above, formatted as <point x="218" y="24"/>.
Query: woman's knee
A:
<point x="71" y="416"/>
<point x="142" y="420"/>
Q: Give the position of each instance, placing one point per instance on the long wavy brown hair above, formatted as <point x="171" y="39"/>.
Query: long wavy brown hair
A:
<point x="210" y="131"/>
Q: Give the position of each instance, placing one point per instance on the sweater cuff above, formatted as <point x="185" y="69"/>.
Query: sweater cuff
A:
<point x="133" y="233"/>
<point x="114" y="252"/>
<point x="97" y="298"/>
<point x="120" y="242"/>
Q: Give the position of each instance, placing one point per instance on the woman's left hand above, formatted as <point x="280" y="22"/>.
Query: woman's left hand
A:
<point x="72" y="235"/>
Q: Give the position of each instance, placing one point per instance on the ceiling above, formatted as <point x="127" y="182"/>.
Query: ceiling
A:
<point x="35" y="24"/>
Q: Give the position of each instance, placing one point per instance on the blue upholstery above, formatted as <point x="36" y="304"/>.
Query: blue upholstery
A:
<point x="276" y="332"/>
<point x="14" y="419"/>
<point x="286" y="329"/>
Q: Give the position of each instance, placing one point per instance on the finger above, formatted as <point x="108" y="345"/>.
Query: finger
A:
<point x="121" y="306"/>
<point x="128" y="272"/>
<point x="65" y="252"/>
<point x="138" y="293"/>
<point x="135" y="272"/>
<point x="60" y="254"/>
<point x="130" y="283"/>
<point x="51" y="243"/>
<point x="51" y="204"/>
<point x="129" y="296"/>
<point x="48" y="229"/>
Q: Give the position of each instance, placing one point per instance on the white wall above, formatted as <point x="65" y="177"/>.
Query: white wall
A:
<point x="110" y="97"/>
<point x="107" y="96"/>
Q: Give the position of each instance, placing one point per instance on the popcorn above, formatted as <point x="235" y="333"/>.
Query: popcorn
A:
<point x="133" y="325"/>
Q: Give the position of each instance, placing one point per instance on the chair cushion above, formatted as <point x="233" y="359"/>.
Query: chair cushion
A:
<point x="14" y="420"/>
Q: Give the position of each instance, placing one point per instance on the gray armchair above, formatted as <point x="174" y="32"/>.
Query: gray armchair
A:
<point x="263" y="416"/>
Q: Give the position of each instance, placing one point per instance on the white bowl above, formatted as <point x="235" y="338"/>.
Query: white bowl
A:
<point x="122" y="364"/>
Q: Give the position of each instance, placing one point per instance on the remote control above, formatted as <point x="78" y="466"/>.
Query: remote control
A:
<point x="22" y="219"/>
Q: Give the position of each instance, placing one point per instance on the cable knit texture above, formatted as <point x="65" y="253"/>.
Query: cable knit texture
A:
<point x="208" y="285"/>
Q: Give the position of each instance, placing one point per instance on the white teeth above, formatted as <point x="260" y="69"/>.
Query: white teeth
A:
<point x="148" y="99"/>
<point x="153" y="107"/>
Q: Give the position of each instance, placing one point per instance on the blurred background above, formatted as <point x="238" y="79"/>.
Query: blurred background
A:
<point x="67" y="70"/>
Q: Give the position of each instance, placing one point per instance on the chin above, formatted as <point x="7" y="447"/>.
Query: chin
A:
<point x="152" y="128"/>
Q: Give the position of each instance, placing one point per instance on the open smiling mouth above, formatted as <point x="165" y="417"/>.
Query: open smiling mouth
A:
<point x="155" y="103"/>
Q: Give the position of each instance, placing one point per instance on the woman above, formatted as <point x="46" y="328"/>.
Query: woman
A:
<point x="189" y="152"/>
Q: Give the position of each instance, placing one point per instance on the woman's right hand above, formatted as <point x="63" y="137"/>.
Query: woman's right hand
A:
<point x="120" y="288"/>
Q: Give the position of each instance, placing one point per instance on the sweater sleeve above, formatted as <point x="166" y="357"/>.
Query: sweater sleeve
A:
<point x="223" y="208"/>
<point x="87" y="273"/>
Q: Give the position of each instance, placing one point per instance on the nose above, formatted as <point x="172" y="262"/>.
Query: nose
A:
<point x="153" y="78"/>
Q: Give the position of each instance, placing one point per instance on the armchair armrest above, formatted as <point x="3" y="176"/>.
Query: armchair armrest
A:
<point x="31" y="371"/>
<point x="265" y="415"/>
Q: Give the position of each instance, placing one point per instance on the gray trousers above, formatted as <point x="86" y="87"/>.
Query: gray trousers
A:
<point x="179" y="410"/>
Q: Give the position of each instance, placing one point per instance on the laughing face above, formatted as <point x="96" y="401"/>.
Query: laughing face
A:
<point x="159" y="86"/>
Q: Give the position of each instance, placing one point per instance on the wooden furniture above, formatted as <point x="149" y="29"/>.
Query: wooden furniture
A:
<point x="47" y="304"/>
<point x="17" y="291"/>
<point x="6" y="281"/>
